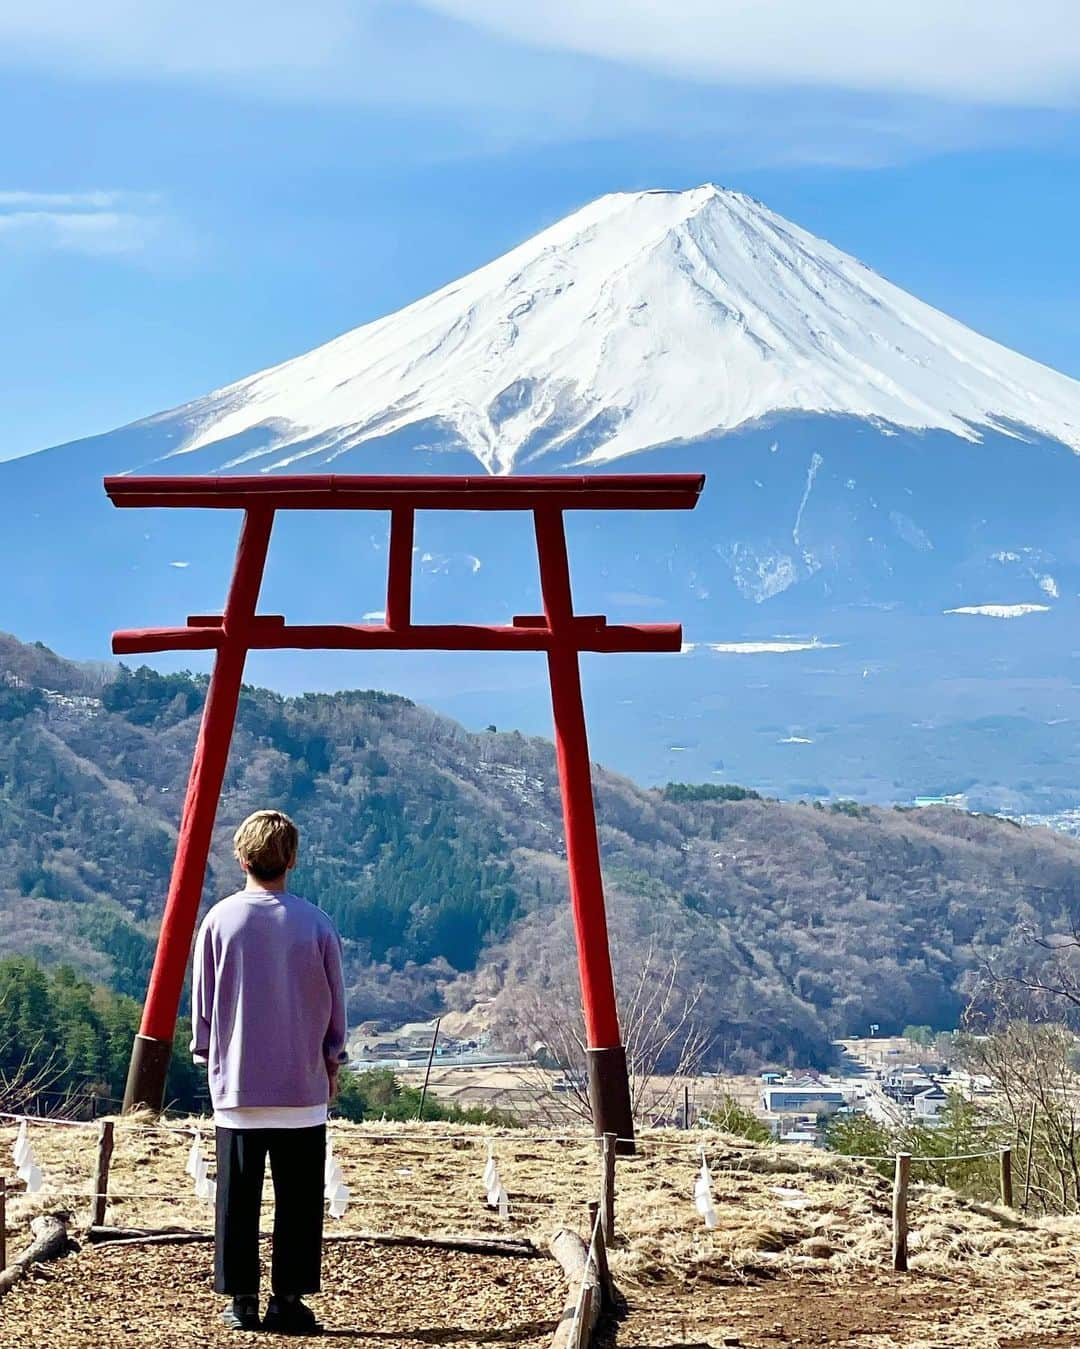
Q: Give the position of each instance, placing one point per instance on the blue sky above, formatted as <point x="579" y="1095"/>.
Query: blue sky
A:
<point x="191" y="192"/>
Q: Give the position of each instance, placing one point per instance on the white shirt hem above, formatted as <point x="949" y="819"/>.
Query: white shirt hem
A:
<point x="270" y="1117"/>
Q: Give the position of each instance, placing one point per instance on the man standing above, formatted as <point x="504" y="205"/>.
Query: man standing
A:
<point x="268" y="1018"/>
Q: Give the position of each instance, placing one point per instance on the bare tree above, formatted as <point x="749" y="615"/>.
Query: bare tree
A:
<point x="30" y="1080"/>
<point x="663" y="1034"/>
<point x="1037" y="1094"/>
<point x="1042" y="979"/>
<point x="665" y="1040"/>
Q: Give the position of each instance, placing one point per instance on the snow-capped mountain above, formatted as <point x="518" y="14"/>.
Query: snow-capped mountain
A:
<point x="891" y="498"/>
<point x="642" y="319"/>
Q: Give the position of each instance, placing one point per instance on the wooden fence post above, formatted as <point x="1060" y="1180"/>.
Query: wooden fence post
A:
<point x="607" y="1189"/>
<point x="603" y="1270"/>
<point x="1030" y="1155"/>
<point x="3" y="1222"/>
<point x="427" y="1070"/>
<point x="582" y="1309"/>
<point x="899" y="1210"/>
<point x="1006" y="1177"/>
<point x="589" y="1315"/>
<point x="101" y="1175"/>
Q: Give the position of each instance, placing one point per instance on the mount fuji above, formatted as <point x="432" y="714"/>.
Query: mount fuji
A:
<point x="891" y="499"/>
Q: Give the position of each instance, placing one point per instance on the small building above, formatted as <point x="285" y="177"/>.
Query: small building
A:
<point x="904" y="1084"/>
<point x="929" y="1104"/>
<point x="788" y="1099"/>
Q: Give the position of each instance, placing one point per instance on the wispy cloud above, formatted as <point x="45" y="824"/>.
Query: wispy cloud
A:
<point x="94" y="224"/>
<point x="996" y="52"/>
<point x="59" y="201"/>
<point x="844" y="82"/>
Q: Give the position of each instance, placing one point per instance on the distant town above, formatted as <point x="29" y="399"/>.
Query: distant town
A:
<point x="890" y="1079"/>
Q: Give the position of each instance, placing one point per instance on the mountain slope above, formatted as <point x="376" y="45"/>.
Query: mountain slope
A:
<point x="642" y="319"/>
<point x="888" y="495"/>
<point x="440" y="855"/>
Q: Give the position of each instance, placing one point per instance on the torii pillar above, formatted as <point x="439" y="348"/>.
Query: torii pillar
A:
<point x="560" y="633"/>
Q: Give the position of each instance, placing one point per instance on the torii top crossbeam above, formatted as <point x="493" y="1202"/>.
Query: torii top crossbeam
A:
<point x="558" y="632"/>
<point x="546" y="497"/>
<point x="335" y="492"/>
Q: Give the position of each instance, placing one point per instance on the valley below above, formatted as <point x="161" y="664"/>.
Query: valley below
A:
<point x="439" y="854"/>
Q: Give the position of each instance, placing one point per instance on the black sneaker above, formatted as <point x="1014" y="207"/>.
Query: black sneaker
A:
<point x="242" y="1314"/>
<point x="289" y="1316"/>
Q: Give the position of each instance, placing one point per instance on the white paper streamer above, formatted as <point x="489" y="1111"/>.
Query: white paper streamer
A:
<point x="194" y="1157"/>
<point x="21" y="1150"/>
<point x="339" y="1201"/>
<point x="26" y="1167"/>
<point x="198" y="1169"/>
<point x="703" y="1194"/>
<point x="333" y="1187"/>
<point x="496" y="1194"/>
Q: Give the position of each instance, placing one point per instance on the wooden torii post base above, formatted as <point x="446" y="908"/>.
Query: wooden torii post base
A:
<point x="558" y="632"/>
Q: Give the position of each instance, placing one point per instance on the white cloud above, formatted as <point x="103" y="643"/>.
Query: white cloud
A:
<point x="769" y="648"/>
<point x="94" y="224"/>
<point x="97" y="234"/>
<point x="416" y="51"/>
<point x="857" y="83"/>
<point x="996" y="52"/>
<point x="1000" y="610"/>
<point x="58" y="201"/>
<point x="359" y="51"/>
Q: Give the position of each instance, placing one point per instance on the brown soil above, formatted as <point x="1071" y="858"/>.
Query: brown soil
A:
<point x="162" y="1298"/>
<point x="862" y="1310"/>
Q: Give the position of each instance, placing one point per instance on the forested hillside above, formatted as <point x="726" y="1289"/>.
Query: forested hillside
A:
<point x="439" y="853"/>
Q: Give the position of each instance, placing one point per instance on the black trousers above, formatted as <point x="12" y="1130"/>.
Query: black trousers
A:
<point x="297" y="1158"/>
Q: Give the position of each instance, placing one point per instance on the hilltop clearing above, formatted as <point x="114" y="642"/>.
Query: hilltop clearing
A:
<point x="799" y="1254"/>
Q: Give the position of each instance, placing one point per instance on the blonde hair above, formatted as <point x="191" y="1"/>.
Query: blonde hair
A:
<point x="266" y="844"/>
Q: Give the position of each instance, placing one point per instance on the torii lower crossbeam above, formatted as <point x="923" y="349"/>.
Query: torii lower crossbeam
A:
<point x="558" y="632"/>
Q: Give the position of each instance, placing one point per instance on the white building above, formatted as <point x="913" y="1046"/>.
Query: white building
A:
<point x="929" y="1104"/>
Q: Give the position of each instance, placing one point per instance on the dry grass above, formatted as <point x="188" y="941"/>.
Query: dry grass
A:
<point x="790" y="1219"/>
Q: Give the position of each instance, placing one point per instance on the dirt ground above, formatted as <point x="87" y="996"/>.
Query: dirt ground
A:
<point x="800" y="1254"/>
<point x="162" y="1298"/>
<point x="865" y="1310"/>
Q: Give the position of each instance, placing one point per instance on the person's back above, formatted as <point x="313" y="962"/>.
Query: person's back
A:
<point x="268" y="1020"/>
<point x="271" y="960"/>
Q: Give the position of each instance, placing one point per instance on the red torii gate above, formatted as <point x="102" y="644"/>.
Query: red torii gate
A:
<point x="558" y="632"/>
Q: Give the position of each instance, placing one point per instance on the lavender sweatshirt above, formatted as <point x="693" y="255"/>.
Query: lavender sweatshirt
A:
<point x="267" y="1000"/>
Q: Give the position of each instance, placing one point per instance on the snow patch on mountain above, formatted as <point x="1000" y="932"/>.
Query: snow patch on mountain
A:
<point x="642" y="319"/>
<point x="770" y="648"/>
<point x="760" y="575"/>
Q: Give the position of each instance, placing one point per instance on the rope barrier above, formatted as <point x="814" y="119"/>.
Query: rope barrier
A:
<point x="207" y="1122"/>
<point x="111" y="1194"/>
<point x="50" y="1119"/>
<point x="892" y="1156"/>
<point x="691" y="1138"/>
